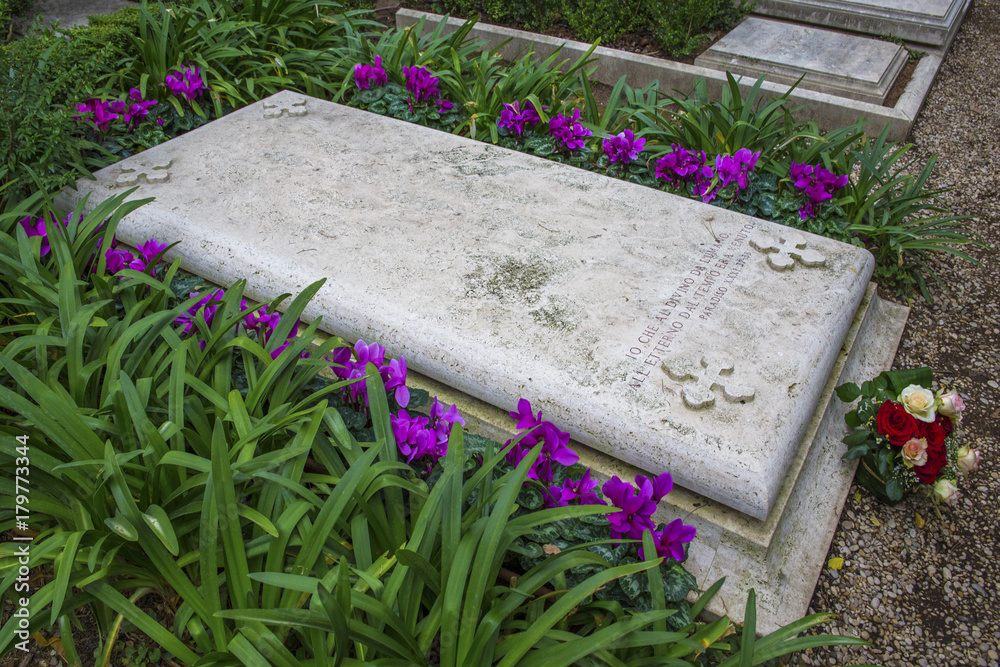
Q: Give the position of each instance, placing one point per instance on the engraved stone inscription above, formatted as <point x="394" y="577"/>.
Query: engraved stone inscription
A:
<point x="293" y="106"/>
<point x="150" y="172"/>
<point x="781" y="254"/>
<point x="694" y="300"/>
<point x="713" y="373"/>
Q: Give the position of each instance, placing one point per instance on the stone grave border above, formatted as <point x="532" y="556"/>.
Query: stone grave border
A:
<point x="829" y="111"/>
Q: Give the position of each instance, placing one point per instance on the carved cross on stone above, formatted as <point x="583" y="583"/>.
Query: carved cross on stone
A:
<point x="790" y="246"/>
<point x="293" y="106"/>
<point x="713" y="373"/>
<point x="150" y="172"/>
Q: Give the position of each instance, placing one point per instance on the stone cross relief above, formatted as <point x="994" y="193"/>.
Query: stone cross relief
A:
<point x="781" y="254"/>
<point x="293" y="106"/>
<point x="148" y="171"/>
<point x="714" y="373"/>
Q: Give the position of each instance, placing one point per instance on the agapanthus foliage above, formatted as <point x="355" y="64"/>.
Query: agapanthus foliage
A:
<point x="366" y="76"/>
<point x="623" y="147"/>
<point x="568" y="132"/>
<point x="818" y="183"/>
<point x="185" y="83"/>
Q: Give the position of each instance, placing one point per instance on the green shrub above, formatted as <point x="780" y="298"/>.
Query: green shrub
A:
<point x="108" y="37"/>
<point x="8" y="10"/>
<point x="605" y="20"/>
<point x="680" y="24"/>
<point x="41" y="146"/>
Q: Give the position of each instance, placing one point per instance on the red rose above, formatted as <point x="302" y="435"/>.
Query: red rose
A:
<point x="895" y="423"/>
<point x="945" y="423"/>
<point x="937" y="457"/>
<point x="935" y="432"/>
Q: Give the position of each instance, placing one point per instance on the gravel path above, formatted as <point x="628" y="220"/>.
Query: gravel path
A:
<point x="930" y="596"/>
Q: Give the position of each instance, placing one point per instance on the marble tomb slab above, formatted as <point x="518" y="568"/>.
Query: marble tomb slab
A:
<point x="932" y="22"/>
<point x="840" y="64"/>
<point x="660" y="331"/>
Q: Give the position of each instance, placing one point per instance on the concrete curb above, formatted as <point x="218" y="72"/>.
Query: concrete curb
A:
<point x="829" y="111"/>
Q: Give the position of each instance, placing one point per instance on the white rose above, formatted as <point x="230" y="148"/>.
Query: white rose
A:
<point x="946" y="490"/>
<point x="915" y="452"/>
<point x="968" y="460"/>
<point x="919" y="402"/>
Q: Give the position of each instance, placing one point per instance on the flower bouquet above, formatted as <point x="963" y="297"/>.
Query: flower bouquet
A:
<point x="907" y="440"/>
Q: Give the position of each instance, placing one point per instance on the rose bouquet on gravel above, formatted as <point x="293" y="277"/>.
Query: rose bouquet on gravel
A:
<point x="907" y="439"/>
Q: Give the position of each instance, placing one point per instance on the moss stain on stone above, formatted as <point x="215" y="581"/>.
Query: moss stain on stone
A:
<point x="509" y="278"/>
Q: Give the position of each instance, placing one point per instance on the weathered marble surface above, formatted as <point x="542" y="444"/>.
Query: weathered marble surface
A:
<point x="858" y="68"/>
<point x="615" y="308"/>
<point x="926" y="21"/>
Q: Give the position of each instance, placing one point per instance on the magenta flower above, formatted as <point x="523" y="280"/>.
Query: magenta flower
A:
<point x="730" y="168"/>
<point x="524" y="415"/>
<point x="421" y="436"/>
<point x="205" y="307"/>
<point x="36" y="229"/>
<point x="514" y="118"/>
<point x="186" y="82"/>
<point x="568" y="131"/>
<point x="366" y="76"/>
<point x="635" y="505"/>
<point x="671" y="540"/>
<point x="680" y="165"/>
<point x="623" y="147"/>
<point x="262" y="321"/>
<point x="151" y="249"/>
<point x="394" y="376"/>
<point x="660" y="485"/>
<point x="115" y="260"/>
<point x="444" y="106"/>
<point x="139" y="107"/>
<point x="555" y="447"/>
<point x="572" y="491"/>
<point x="817" y="183"/>
<point x="421" y="84"/>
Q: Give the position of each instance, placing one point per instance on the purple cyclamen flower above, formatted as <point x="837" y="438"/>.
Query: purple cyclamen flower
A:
<point x="661" y="485"/>
<point x="671" y="540"/>
<point x="623" y="147"/>
<point x="139" y="107"/>
<point x="444" y="106"/>
<point x="421" y="436"/>
<point x="151" y="249"/>
<point x="367" y="75"/>
<point x="525" y="416"/>
<point x="514" y="118"/>
<point x="568" y="131"/>
<point x="36" y="229"/>
<point x="680" y="164"/>
<point x="737" y="167"/>
<point x="817" y="183"/>
<point x="580" y="492"/>
<point x="394" y="376"/>
<point x="115" y="260"/>
<point x="555" y="447"/>
<point x="186" y="82"/>
<point x="421" y="84"/>
<point x="263" y="322"/>
<point x="205" y="306"/>
<point x="635" y="505"/>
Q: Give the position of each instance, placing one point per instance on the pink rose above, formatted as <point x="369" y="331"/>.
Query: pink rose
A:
<point x="951" y="405"/>
<point x="946" y="490"/>
<point x="968" y="460"/>
<point x="915" y="452"/>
